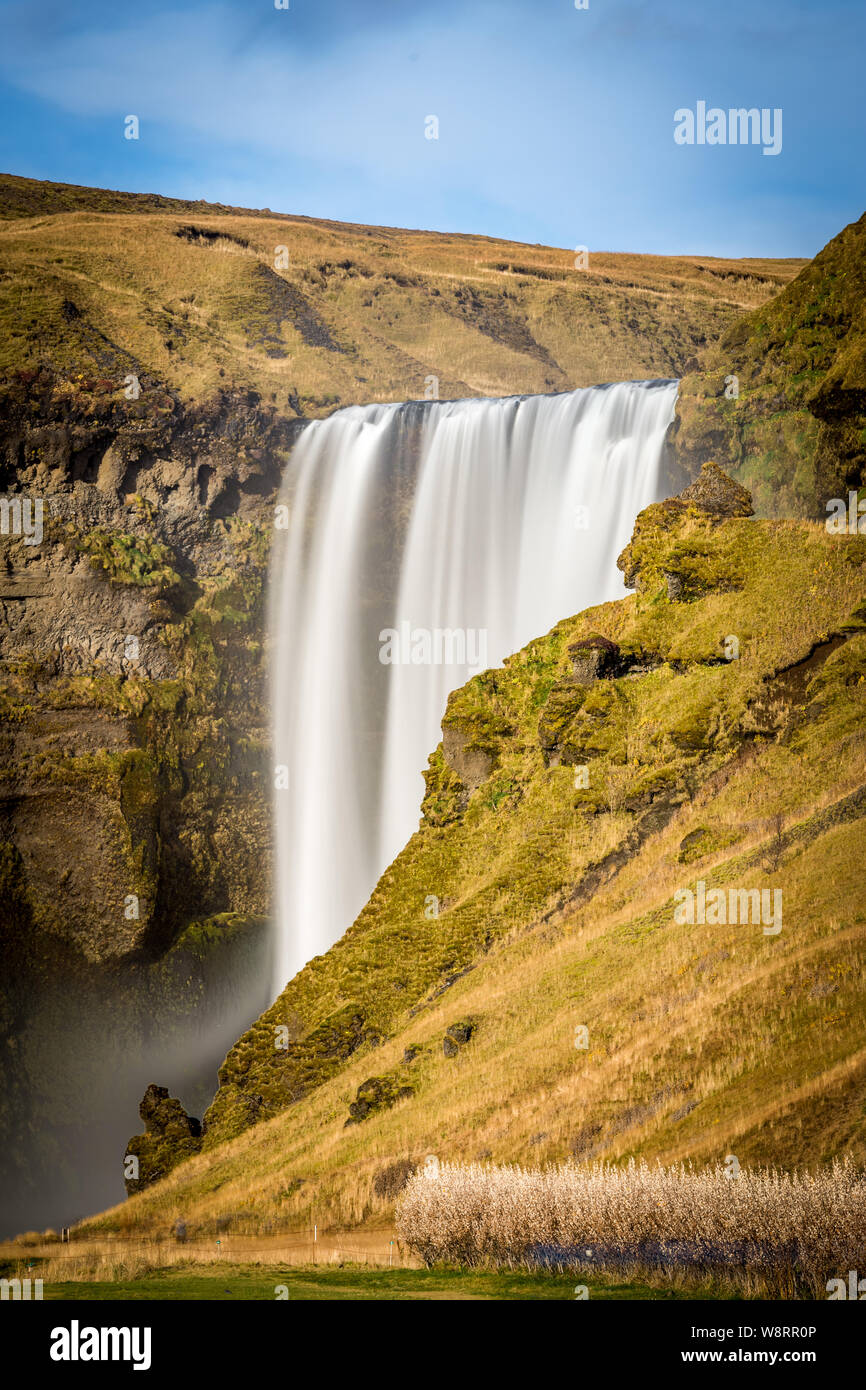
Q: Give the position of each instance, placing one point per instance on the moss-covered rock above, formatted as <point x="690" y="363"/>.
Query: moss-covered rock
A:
<point x="780" y="400"/>
<point x="593" y="657"/>
<point x="377" y="1093"/>
<point x="445" y="796"/>
<point x="457" y="1035"/>
<point x="671" y="553"/>
<point x="473" y="730"/>
<point x="170" y="1135"/>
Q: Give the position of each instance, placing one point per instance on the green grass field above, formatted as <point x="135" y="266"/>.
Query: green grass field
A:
<point x="360" y="1283"/>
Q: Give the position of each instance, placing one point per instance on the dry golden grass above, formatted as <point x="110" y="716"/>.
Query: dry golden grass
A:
<point x="485" y="317"/>
<point x="115" y="1259"/>
<point x="783" y="1233"/>
<point x="661" y="1020"/>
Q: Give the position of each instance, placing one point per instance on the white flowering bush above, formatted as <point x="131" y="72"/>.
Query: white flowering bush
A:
<point x="784" y="1232"/>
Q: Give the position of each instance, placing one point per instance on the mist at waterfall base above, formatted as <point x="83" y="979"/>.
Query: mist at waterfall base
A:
<point x="86" y="1056"/>
<point x="494" y="519"/>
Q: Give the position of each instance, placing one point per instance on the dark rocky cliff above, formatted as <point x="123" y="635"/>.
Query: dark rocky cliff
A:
<point x="134" y="815"/>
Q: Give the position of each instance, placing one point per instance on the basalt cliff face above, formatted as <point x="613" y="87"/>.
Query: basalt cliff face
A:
<point x="134" y="801"/>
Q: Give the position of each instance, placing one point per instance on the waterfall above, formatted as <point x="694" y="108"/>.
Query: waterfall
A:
<point x="425" y="542"/>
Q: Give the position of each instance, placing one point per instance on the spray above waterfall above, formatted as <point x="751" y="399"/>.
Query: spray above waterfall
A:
<point x="425" y="542"/>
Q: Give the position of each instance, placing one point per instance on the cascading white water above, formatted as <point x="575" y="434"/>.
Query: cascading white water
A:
<point x="486" y="520"/>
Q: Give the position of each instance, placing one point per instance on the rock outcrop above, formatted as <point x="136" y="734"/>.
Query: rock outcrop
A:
<point x="716" y="494"/>
<point x="458" y="1035"/>
<point x="374" y="1094"/>
<point x="780" y="399"/>
<point x="593" y="657"/>
<point x="170" y="1134"/>
<point x="670" y="550"/>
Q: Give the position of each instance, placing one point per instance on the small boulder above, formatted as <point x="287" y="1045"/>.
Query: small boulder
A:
<point x="376" y="1093"/>
<point x="457" y="1036"/>
<point x="370" y="1096"/>
<point x="714" y="492"/>
<point x="593" y="658"/>
<point x="461" y="1032"/>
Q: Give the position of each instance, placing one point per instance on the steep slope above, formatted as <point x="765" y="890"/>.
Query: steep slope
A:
<point x="191" y="298"/>
<point x="780" y="400"/>
<point x="519" y="983"/>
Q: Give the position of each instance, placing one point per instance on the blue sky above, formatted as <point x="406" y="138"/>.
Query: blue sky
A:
<point x="555" y="124"/>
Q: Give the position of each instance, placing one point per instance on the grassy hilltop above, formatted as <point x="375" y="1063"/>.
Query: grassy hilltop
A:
<point x="198" y="298"/>
<point x="456" y="1034"/>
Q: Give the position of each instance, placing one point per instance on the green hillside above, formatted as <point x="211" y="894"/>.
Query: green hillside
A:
<point x="739" y="764"/>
